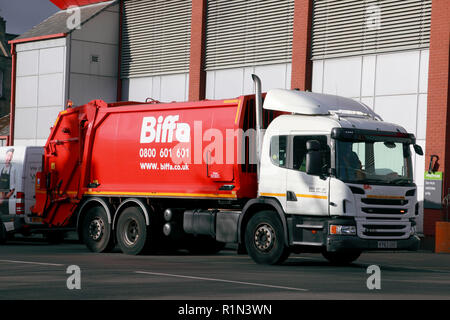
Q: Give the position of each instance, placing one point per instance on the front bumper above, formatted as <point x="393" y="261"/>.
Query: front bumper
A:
<point x="340" y="243"/>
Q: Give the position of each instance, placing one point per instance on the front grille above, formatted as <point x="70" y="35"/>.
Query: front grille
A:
<point x="374" y="230"/>
<point x="384" y="234"/>
<point x="385" y="202"/>
<point x="384" y="210"/>
<point x="383" y="226"/>
<point x="384" y="218"/>
<point x="391" y="230"/>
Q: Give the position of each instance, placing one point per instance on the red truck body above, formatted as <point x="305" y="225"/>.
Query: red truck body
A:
<point x="174" y="150"/>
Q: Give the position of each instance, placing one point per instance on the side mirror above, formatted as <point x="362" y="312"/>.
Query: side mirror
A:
<point x="418" y="149"/>
<point x="313" y="158"/>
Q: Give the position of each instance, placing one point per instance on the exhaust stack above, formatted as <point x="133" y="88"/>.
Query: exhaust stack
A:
<point x="258" y="113"/>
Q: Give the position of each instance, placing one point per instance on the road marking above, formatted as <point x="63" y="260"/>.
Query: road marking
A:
<point x="38" y="263"/>
<point x="220" y="280"/>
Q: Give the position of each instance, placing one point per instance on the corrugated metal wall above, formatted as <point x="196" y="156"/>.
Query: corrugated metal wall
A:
<point x="248" y="32"/>
<point x="354" y="27"/>
<point x="155" y="37"/>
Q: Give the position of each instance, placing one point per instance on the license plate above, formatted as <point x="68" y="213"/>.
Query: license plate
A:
<point x="36" y="220"/>
<point x="387" y="244"/>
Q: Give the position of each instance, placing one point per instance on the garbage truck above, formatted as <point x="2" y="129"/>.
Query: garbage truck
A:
<point x="280" y="172"/>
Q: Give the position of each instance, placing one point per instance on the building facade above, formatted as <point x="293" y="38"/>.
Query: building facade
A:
<point x="392" y="55"/>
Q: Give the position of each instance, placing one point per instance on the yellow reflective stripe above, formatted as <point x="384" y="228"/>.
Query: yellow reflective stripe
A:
<point x="237" y="112"/>
<point x="162" y="194"/>
<point x="66" y="192"/>
<point x="272" y="194"/>
<point x="311" y="196"/>
<point x="297" y="195"/>
<point x="231" y="101"/>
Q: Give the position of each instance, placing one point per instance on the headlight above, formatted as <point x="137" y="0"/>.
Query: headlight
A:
<point x="343" y="230"/>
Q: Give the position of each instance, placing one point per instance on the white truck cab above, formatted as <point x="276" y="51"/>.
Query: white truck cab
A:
<point x="342" y="176"/>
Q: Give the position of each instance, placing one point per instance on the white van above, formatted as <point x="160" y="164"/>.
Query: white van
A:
<point x="18" y="167"/>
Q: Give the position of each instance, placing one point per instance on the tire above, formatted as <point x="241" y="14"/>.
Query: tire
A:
<point x="96" y="231"/>
<point x="132" y="233"/>
<point x="204" y="245"/>
<point x="264" y="239"/>
<point x="3" y="233"/>
<point x="341" y="258"/>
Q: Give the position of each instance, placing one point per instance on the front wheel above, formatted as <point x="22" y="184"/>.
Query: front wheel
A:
<point x="264" y="239"/>
<point x="341" y="258"/>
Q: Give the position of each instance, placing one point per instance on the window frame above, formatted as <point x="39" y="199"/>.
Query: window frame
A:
<point x="286" y="166"/>
<point x="291" y="149"/>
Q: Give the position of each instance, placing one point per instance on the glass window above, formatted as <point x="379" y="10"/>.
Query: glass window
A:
<point x="374" y="162"/>
<point x="299" y="151"/>
<point x="278" y="151"/>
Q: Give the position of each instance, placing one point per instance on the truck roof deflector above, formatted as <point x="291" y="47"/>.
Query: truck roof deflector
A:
<point x="310" y="103"/>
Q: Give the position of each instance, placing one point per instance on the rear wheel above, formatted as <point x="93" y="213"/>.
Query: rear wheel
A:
<point x="341" y="257"/>
<point x="132" y="233"/>
<point x="264" y="239"/>
<point x="96" y="232"/>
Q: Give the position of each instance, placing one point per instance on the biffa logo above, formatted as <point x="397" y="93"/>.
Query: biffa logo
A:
<point x="164" y="129"/>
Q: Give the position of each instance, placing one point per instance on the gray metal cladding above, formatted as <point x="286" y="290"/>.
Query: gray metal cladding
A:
<point x="354" y="27"/>
<point x="248" y="32"/>
<point x="156" y="37"/>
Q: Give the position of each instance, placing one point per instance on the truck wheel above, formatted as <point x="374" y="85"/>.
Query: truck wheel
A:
<point x="133" y="235"/>
<point x="96" y="231"/>
<point x="264" y="239"/>
<point x="3" y="234"/>
<point x="341" y="258"/>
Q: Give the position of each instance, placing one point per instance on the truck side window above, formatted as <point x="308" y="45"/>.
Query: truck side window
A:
<point x="278" y="151"/>
<point x="299" y="151"/>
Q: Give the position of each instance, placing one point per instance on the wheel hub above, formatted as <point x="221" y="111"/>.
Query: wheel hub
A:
<point x="131" y="232"/>
<point x="96" y="229"/>
<point x="264" y="237"/>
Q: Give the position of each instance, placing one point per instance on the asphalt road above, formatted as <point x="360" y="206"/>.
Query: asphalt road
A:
<point x="37" y="270"/>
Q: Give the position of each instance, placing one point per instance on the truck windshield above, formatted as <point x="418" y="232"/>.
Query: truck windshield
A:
<point x="374" y="162"/>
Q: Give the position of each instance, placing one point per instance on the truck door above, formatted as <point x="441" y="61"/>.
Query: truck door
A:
<point x="306" y="194"/>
